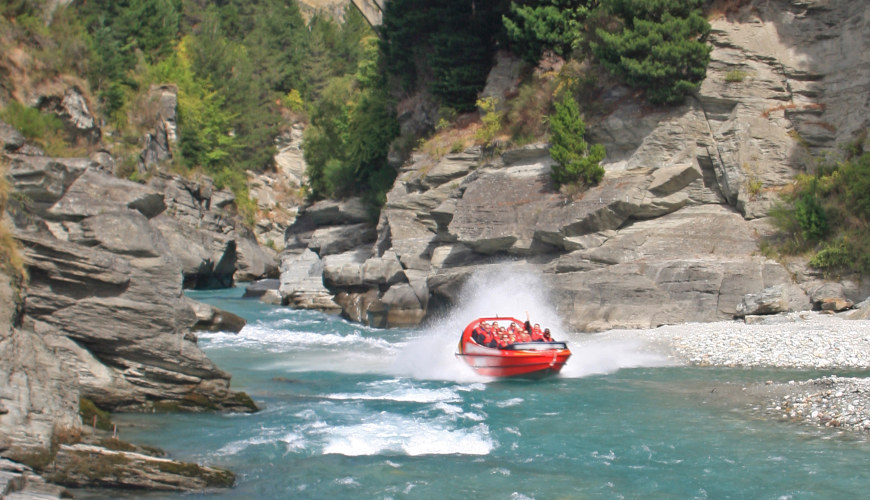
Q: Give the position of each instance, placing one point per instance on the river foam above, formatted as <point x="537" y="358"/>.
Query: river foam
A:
<point x="316" y="341"/>
<point x="510" y="293"/>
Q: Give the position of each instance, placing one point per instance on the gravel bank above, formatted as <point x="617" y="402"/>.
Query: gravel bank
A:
<point x="804" y="340"/>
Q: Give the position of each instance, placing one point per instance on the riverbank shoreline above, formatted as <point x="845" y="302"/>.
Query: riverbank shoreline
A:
<point x="826" y="344"/>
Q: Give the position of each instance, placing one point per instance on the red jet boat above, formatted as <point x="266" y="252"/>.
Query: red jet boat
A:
<point x="521" y="359"/>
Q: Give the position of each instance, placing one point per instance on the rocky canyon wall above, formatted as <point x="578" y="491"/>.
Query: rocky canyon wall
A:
<point x="671" y="234"/>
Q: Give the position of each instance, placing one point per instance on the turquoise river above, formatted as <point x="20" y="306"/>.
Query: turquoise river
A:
<point x="351" y="412"/>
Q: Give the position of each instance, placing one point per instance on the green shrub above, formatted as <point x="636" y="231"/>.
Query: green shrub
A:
<point x="736" y="76"/>
<point x="853" y="179"/>
<point x="811" y="217"/>
<point x="293" y="101"/>
<point x="828" y="215"/>
<point x="576" y="161"/>
<point x="31" y="122"/>
<point x="88" y="411"/>
<point x="490" y="120"/>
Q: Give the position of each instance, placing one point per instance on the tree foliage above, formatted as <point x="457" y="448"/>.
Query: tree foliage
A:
<point x="556" y="25"/>
<point x="576" y="161"/>
<point x="451" y="42"/>
<point x="660" y="47"/>
<point x="241" y="67"/>
<point x="204" y="122"/>
<point x="352" y="125"/>
<point x="122" y="32"/>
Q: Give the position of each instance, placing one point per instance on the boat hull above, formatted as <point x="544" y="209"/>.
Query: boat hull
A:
<point x="529" y="360"/>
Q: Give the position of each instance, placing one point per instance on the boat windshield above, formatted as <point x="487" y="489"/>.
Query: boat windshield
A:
<point x="536" y="346"/>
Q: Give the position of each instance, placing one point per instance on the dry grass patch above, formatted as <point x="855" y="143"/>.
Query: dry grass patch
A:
<point x="11" y="260"/>
<point x="454" y="139"/>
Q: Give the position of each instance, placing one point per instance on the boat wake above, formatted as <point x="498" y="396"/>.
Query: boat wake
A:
<point x="431" y="354"/>
<point x="305" y="341"/>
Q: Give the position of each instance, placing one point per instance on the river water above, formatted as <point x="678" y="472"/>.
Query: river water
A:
<point x="351" y="412"/>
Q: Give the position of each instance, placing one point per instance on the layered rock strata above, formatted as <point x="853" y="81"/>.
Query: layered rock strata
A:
<point x="200" y="221"/>
<point x="105" y="289"/>
<point x="670" y="235"/>
<point x="214" y="248"/>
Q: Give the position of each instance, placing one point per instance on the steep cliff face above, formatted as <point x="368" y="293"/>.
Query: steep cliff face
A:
<point x="201" y="226"/>
<point x="103" y="317"/>
<point x="672" y="233"/>
<point x="36" y="396"/>
<point x="105" y="289"/>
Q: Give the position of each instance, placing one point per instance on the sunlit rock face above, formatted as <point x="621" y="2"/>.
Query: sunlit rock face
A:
<point x="104" y="294"/>
<point x="672" y="233"/>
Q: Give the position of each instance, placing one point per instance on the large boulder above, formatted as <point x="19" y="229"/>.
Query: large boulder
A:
<point x="94" y="193"/>
<point x="328" y="212"/>
<point x="82" y="465"/>
<point x="213" y="319"/>
<point x="773" y="300"/>
<point x="36" y="394"/>
<point x="42" y="180"/>
<point x="10" y="138"/>
<point x="208" y="259"/>
<point x="302" y="282"/>
<point x="253" y="261"/>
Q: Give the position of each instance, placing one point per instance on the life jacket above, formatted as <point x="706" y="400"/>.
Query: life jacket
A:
<point x="478" y="335"/>
<point x="488" y="339"/>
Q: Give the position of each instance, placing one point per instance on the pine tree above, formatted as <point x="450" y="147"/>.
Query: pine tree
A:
<point x="556" y="25"/>
<point x="661" y="47"/>
<point x="576" y="160"/>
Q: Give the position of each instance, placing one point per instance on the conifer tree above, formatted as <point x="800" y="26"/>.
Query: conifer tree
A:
<point x="575" y="160"/>
<point x="661" y="47"/>
<point x="556" y="25"/>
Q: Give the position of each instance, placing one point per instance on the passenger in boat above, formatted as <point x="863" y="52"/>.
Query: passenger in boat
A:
<point x="498" y="338"/>
<point x="523" y="336"/>
<point x="479" y="333"/>
<point x="547" y="337"/>
<point x="516" y="333"/>
<point x="534" y="332"/>
<point x="483" y="335"/>
<point x="490" y="337"/>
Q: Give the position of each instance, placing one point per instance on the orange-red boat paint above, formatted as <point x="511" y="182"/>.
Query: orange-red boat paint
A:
<point x="524" y="360"/>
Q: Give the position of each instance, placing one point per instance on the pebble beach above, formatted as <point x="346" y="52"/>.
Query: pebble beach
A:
<point x="827" y="344"/>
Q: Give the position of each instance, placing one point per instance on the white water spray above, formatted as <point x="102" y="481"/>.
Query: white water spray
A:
<point x="507" y="293"/>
